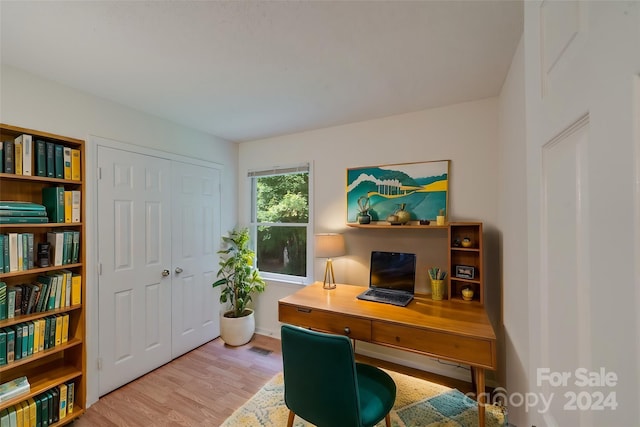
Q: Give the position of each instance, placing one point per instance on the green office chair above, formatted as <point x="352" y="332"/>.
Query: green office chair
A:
<point x="324" y="385"/>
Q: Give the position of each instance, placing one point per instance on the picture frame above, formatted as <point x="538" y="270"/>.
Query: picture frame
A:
<point x="422" y="187"/>
<point x="465" y="272"/>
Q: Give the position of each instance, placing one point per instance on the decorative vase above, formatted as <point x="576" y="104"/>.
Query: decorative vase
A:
<point x="403" y="215"/>
<point x="440" y="217"/>
<point x="466" y="242"/>
<point x="467" y="294"/>
<point x="237" y="331"/>
<point x="437" y="290"/>
<point x="364" y="218"/>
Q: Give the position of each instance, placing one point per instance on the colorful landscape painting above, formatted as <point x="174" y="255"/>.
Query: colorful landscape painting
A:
<point x="422" y="187"/>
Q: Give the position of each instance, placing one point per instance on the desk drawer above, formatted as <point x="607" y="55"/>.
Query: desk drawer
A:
<point x="474" y="351"/>
<point x="353" y="327"/>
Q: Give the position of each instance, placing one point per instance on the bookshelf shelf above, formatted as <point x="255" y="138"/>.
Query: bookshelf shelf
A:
<point x="42" y="354"/>
<point x="28" y="317"/>
<point x="64" y="363"/>
<point x="53" y="375"/>
<point x="39" y="270"/>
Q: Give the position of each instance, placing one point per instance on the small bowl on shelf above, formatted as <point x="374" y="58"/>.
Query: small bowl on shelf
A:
<point x="467" y="294"/>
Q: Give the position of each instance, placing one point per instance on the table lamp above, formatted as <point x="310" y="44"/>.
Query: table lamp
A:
<point x="329" y="245"/>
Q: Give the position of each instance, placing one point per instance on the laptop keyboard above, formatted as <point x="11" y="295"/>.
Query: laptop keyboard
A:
<point x="388" y="297"/>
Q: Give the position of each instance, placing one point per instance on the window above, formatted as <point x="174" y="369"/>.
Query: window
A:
<point x="280" y="222"/>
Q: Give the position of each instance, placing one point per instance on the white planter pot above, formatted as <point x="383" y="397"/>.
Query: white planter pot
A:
<point x="237" y="331"/>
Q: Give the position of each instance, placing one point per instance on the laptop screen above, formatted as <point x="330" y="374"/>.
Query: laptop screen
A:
<point x="393" y="270"/>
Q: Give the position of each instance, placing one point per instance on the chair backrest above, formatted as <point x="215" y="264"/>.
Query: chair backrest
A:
<point x="320" y="380"/>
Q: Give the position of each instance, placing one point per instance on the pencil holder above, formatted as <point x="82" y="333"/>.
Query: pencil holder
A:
<point x="437" y="290"/>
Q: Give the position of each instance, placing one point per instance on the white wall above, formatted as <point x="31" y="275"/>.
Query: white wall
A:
<point x="512" y="220"/>
<point x="32" y="102"/>
<point x="466" y="134"/>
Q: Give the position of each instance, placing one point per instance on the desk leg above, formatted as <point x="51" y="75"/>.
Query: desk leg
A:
<point x="480" y="394"/>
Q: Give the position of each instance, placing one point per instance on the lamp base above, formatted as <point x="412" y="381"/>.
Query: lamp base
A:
<point x="329" y="278"/>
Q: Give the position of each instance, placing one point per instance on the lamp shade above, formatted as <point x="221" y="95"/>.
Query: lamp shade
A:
<point x="329" y="245"/>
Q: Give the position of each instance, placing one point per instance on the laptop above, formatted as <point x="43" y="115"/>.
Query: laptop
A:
<point x="392" y="278"/>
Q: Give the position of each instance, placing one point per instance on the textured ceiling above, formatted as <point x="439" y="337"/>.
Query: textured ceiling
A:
<point x="245" y="70"/>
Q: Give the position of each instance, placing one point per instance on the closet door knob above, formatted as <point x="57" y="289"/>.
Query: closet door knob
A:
<point x="165" y="273"/>
<point x="179" y="270"/>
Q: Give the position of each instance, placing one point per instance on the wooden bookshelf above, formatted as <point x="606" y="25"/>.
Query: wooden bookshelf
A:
<point x="465" y="257"/>
<point x="65" y="362"/>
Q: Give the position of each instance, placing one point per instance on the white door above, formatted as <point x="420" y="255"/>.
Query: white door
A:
<point x="582" y="63"/>
<point x="195" y="241"/>
<point x="134" y="248"/>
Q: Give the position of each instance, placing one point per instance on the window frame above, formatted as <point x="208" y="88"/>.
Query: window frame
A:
<point x="252" y="176"/>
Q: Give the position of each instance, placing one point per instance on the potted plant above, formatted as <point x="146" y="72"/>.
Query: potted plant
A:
<point x="363" y="208"/>
<point x="239" y="279"/>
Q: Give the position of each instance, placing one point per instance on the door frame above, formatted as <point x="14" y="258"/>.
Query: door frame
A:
<point x="91" y="251"/>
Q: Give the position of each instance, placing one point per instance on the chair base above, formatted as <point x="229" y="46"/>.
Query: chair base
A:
<point x="292" y="415"/>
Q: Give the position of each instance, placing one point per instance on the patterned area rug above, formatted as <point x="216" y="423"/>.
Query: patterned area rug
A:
<point x="419" y="403"/>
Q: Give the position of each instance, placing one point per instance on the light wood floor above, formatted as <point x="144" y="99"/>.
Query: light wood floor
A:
<point x="205" y="386"/>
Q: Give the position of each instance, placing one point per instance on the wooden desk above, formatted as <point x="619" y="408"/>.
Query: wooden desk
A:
<point x="443" y="329"/>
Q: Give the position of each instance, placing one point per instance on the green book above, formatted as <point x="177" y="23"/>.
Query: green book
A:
<point x="31" y="328"/>
<point x="11" y="303"/>
<point x="52" y="331"/>
<point x="46" y="399"/>
<point x="23" y="219"/>
<point x="30" y="248"/>
<point x="68" y="247"/>
<point x="38" y="400"/>
<point x="5" y="254"/>
<point x="53" y="200"/>
<point x="55" y="407"/>
<point x="3" y="347"/>
<point x="75" y="248"/>
<point x="25" y="340"/>
<point x="9" y="157"/>
<point x="58" y="161"/>
<point x="16" y="212"/>
<point x="17" y="348"/>
<point x="20" y="206"/>
<point x="47" y="329"/>
<point x="11" y="344"/>
<point x="3" y="301"/>
<point x="45" y="282"/>
<point x="1" y="257"/>
<point x="51" y="171"/>
<point x="41" y="157"/>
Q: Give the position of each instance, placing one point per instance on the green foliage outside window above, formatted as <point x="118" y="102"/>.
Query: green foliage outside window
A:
<point x="282" y="199"/>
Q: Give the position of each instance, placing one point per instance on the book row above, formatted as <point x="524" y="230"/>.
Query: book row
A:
<point x="30" y="156"/>
<point x="19" y="252"/>
<point x="52" y="291"/>
<point x="62" y="206"/>
<point x="27" y="338"/>
<point x="41" y="410"/>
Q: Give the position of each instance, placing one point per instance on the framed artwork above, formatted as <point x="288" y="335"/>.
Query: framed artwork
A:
<point x="423" y="188"/>
<point x="465" y="271"/>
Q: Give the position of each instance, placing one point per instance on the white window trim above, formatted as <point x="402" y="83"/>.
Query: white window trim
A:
<point x="282" y="170"/>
